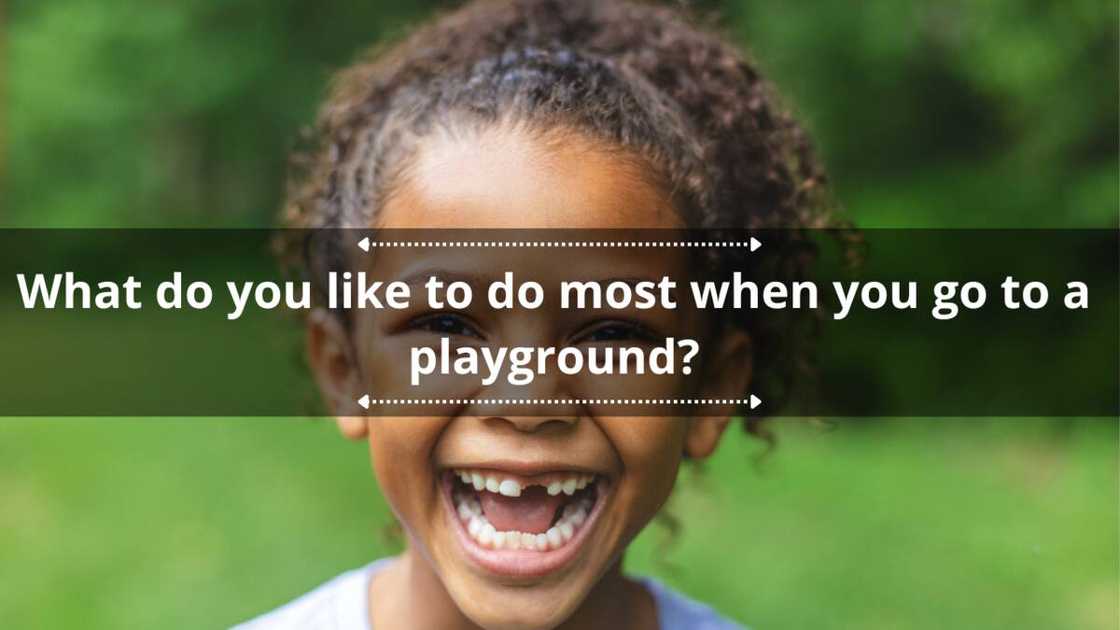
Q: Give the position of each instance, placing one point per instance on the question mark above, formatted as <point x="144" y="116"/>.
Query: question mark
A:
<point x="693" y="349"/>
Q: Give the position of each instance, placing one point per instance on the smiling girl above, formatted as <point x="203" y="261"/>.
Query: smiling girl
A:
<point x="542" y="115"/>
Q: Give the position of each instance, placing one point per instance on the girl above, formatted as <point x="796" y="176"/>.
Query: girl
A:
<point x="540" y="114"/>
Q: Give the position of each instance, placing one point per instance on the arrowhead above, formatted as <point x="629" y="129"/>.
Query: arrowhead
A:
<point x="364" y="244"/>
<point x="755" y="401"/>
<point x="364" y="401"/>
<point x="755" y="244"/>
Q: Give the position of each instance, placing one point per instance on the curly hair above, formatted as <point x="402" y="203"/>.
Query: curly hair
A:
<point x="643" y="78"/>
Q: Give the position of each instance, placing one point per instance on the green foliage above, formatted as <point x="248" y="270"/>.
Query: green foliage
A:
<point x="1000" y="113"/>
<point x="155" y="114"/>
<point x="972" y="114"/>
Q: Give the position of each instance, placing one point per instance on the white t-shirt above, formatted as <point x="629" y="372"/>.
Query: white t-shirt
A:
<point x="343" y="602"/>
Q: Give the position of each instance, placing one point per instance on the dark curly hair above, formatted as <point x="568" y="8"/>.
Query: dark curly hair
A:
<point x="643" y="78"/>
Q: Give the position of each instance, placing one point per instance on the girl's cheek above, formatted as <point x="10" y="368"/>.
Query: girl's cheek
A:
<point x="646" y="442"/>
<point x="630" y="386"/>
<point x="651" y="451"/>
<point x="400" y="449"/>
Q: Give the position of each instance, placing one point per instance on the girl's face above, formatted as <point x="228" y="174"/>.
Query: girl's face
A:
<point x="523" y="518"/>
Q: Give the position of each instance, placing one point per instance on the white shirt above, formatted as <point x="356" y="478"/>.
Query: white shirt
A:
<point x="343" y="604"/>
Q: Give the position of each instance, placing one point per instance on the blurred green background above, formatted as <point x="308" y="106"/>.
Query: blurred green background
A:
<point x="938" y="113"/>
<point x="1000" y="113"/>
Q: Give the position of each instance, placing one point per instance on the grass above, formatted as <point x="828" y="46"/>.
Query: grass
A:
<point x="193" y="523"/>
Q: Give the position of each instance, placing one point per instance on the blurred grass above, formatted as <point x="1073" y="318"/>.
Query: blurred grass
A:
<point x="893" y="524"/>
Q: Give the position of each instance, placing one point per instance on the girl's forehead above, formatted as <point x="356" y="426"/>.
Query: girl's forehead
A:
<point x="504" y="178"/>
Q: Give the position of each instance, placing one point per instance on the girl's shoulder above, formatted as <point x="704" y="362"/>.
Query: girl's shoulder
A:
<point x="677" y="612"/>
<point x="341" y="604"/>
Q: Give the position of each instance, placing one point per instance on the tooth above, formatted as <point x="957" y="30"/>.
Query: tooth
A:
<point x="581" y="482"/>
<point x="486" y="536"/>
<point x="569" y="486"/>
<point x="578" y="517"/>
<point x="555" y="539"/>
<point x="508" y="487"/>
<point x="474" y="527"/>
<point x="477" y="481"/>
<point x="542" y="542"/>
<point x="465" y="476"/>
<point x="464" y="512"/>
<point x="499" y="539"/>
<point x="513" y="540"/>
<point x="492" y="484"/>
<point x="528" y="541"/>
<point x="474" y="507"/>
<point x="566" y="530"/>
<point x="554" y="488"/>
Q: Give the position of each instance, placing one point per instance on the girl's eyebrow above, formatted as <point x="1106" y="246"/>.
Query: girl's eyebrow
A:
<point x="446" y="276"/>
<point x="631" y="280"/>
<point x="419" y="277"/>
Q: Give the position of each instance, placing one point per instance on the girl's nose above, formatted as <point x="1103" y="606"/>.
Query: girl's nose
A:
<point x="543" y="405"/>
<point x="550" y="422"/>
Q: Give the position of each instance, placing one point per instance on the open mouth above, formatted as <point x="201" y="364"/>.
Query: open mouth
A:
<point x="523" y="525"/>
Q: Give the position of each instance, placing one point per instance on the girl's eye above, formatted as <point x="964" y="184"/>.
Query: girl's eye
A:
<point x="613" y="331"/>
<point x="446" y="324"/>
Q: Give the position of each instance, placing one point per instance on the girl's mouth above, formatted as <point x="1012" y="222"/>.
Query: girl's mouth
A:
<point x="523" y="526"/>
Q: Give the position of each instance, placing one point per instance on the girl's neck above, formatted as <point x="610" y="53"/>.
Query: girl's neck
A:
<point x="408" y="594"/>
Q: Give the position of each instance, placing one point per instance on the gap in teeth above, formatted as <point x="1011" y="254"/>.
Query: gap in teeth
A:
<point x="568" y="483"/>
<point x="572" y="516"/>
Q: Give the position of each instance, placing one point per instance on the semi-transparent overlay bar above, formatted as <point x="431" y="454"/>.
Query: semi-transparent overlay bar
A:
<point x="916" y="323"/>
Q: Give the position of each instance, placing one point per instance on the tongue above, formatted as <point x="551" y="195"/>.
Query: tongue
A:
<point x="532" y="512"/>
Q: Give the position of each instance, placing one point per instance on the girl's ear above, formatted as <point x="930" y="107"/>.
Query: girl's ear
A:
<point x="336" y="371"/>
<point x="727" y="373"/>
